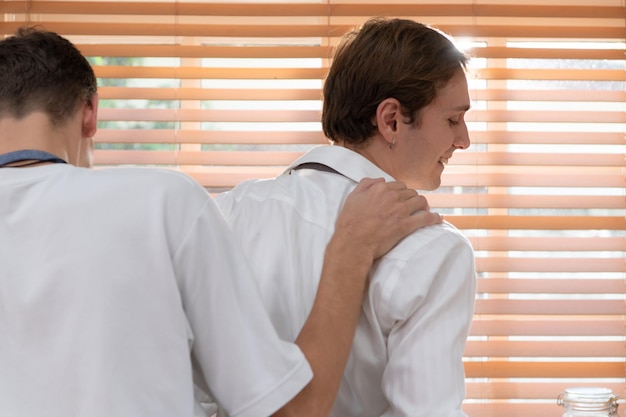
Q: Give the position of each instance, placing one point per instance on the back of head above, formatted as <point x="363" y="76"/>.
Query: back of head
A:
<point x="42" y="71"/>
<point x="385" y="58"/>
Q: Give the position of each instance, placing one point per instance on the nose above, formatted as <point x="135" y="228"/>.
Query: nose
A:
<point x="462" y="139"/>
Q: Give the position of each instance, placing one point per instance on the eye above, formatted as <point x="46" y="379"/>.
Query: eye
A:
<point x="456" y="119"/>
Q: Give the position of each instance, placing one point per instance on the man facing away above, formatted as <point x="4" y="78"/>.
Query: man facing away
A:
<point x="122" y="291"/>
<point x="394" y="105"/>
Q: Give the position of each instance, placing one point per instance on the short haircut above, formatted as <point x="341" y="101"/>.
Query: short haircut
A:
<point x="42" y="71"/>
<point x="385" y="58"/>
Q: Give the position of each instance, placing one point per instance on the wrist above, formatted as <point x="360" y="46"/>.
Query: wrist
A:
<point x="351" y="252"/>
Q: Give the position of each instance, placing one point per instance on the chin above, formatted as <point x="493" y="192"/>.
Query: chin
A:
<point x="421" y="182"/>
<point x="421" y="185"/>
<point x="432" y="185"/>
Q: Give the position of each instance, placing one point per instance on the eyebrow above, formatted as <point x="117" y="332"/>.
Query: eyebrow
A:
<point x="464" y="107"/>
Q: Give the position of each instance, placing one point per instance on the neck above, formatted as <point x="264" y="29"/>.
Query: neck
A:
<point x="376" y="150"/>
<point x="33" y="132"/>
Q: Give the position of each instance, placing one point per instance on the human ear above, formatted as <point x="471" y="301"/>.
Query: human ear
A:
<point x="388" y="114"/>
<point x="90" y="117"/>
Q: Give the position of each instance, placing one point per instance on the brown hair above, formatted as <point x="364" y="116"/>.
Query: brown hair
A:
<point x="42" y="71"/>
<point x="385" y="58"/>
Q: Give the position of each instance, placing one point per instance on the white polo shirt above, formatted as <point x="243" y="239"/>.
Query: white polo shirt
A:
<point x="117" y="287"/>
<point x="406" y="359"/>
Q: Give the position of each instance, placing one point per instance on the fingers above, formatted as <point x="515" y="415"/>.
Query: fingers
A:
<point x="381" y="185"/>
<point x="396" y="197"/>
<point x="414" y="201"/>
<point x="365" y="183"/>
<point x="422" y="219"/>
<point x="419" y="214"/>
<point x="382" y="213"/>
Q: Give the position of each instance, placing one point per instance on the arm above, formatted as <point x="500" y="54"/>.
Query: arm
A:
<point x="429" y="314"/>
<point x="375" y="217"/>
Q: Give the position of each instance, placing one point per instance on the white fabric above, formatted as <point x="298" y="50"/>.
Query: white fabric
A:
<point x="406" y="359"/>
<point x="109" y="281"/>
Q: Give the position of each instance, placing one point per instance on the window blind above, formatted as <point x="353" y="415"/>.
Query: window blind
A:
<point x="230" y="90"/>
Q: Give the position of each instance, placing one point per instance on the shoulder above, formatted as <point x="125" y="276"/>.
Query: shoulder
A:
<point x="144" y="182"/>
<point x="156" y="191"/>
<point x="158" y="178"/>
<point x="294" y="203"/>
<point x="249" y="189"/>
<point x="433" y="262"/>
<point x="438" y="252"/>
<point x="437" y="240"/>
<point x="242" y="198"/>
<point x="253" y="194"/>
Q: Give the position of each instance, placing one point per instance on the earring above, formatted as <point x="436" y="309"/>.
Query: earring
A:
<point x="393" y="142"/>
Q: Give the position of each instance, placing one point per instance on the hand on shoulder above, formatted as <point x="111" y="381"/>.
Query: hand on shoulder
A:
<point x="378" y="214"/>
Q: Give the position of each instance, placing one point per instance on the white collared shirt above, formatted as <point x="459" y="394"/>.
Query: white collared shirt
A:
<point x="406" y="359"/>
<point x="117" y="288"/>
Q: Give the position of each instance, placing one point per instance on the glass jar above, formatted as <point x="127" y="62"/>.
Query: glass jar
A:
<point x="588" y="402"/>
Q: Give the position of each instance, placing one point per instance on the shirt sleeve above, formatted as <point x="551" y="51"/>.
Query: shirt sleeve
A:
<point x="247" y="368"/>
<point x="430" y="310"/>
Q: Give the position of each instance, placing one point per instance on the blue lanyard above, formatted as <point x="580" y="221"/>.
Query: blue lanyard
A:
<point x="29" y="155"/>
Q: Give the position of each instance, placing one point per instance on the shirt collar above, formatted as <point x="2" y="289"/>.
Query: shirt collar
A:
<point x="348" y="163"/>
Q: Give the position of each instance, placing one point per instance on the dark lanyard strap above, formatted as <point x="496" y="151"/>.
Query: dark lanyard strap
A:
<point x="317" y="166"/>
<point x="29" y="155"/>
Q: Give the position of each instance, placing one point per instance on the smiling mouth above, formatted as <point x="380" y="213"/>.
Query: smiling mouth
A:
<point x="443" y="161"/>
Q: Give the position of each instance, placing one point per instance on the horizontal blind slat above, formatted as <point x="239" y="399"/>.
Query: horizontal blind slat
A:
<point x="545" y="243"/>
<point x="542" y="349"/>
<point x="532" y="325"/>
<point x="534" y="389"/>
<point x="551" y="286"/>
<point x="536" y="178"/>
<point x="523" y="201"/>
<point x="551" y="307"/>
<point x="315" y="10"/>
<point x="499" y="222"/>
<point x="499" y="409"/>
<point x="113" y="28"/>
<point x="506" y="369"/>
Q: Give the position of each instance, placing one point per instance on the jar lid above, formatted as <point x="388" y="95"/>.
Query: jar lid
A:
<point x="589" y="399"/>
<point x="589" y="394"/>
